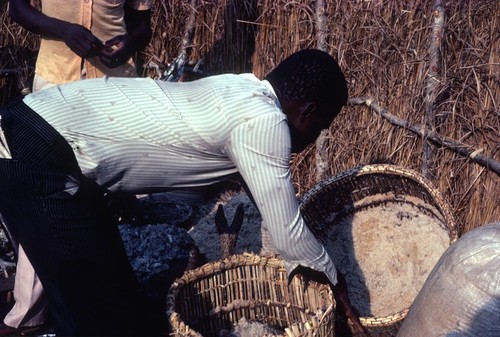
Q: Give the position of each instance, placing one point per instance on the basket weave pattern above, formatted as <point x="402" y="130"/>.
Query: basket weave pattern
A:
<point x="216" y="295"/>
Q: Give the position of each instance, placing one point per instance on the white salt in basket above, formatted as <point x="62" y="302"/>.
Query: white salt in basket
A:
<point x="211" y="300"/>
<point x="385" y="227"/>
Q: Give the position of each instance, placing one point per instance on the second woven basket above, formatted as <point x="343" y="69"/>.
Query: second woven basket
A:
<point x="378" y="189"/>
<point x="210" y="301"/>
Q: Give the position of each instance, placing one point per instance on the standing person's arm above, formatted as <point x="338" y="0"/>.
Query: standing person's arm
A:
<point x="78" y="38"/>
<point x="122" y="47"/>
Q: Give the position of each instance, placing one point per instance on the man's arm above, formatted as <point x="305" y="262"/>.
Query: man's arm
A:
<point x="339" y="290"/>
<point x="342" y="302"/>
<point x="264" y="168"/>
<point x="78" y="38"/>
<point x="138" y="27"/>
<point x="138" y="36"/>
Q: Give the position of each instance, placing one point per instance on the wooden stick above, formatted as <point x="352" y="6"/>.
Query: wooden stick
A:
<point x="174" y="72"/>
<point x="432" y="86"/>
<point x="457" y="147"/>
<point x="321" y="27"/>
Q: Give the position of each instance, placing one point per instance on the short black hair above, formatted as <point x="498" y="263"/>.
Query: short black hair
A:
<point x="310" y="74"/>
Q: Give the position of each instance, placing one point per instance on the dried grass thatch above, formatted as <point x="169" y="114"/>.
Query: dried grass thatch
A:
<point x="383" y="47"/>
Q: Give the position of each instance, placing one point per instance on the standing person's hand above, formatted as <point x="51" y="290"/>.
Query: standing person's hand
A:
<point x="81" y="41"/>
<point x="117" y="51"/>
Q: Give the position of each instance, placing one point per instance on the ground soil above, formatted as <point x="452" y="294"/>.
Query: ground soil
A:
<point x="393" y="256"/>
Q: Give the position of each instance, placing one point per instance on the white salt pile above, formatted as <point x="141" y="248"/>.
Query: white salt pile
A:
<point x="204" y="232"/>
<point x="246" y="328"/>
<point x="386" y="252"/>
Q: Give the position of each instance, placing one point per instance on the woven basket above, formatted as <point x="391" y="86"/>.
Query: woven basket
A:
<point x="331" y="200"/>
<point x="215" y="296"/>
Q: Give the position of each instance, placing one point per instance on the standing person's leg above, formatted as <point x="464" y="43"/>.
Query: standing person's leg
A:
<point x="30" y="305"/>
<point x="69" y="237"/>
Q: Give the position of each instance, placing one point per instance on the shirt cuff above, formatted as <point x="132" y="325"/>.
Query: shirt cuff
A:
<point x="328" y="269"/>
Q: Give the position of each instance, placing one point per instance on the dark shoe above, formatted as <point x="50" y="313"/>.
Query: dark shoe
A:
<point x="6" y="330"/>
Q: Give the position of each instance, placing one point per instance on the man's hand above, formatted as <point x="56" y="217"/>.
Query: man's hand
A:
<point x="81" y="41"/>
<point x="125" y="208"/>
<point x="343" y="305"/>
<point x="117" y="51"/>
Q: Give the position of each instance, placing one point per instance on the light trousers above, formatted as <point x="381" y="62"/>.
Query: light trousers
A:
<point x="30" y="307"/>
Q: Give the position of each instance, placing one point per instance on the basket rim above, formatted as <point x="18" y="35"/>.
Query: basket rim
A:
<point x="390" y="170"/>
<point x="212" y="267"/>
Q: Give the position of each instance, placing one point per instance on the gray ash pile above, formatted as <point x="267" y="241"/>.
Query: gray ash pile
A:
<point x="159" y="250"/>
<point x="158" y="253"/>
<point x="158" y="247"/>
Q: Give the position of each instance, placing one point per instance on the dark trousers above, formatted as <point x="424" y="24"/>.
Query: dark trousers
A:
<point x="71" y="239"/>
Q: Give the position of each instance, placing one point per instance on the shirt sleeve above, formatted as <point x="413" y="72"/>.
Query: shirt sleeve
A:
<point x="260" y="149"/>
<point x="140" y="5"/>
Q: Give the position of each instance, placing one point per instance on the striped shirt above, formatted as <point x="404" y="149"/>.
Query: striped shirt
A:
<point x="140" y="135"/>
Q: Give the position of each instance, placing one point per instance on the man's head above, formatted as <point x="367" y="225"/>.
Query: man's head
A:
<point x="311" y="89"/>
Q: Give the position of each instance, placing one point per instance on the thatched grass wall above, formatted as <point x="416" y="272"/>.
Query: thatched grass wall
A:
<point x="383" y="47"/>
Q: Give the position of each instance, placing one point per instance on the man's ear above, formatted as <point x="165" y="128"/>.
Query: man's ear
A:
<point x="308" y="110"/>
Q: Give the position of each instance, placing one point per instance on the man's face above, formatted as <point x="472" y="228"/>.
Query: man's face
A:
<point x="306" y="128"/>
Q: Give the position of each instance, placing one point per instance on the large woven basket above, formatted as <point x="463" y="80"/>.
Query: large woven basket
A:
<point x="215" y="296"/>
<point x="331" y="200"/>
